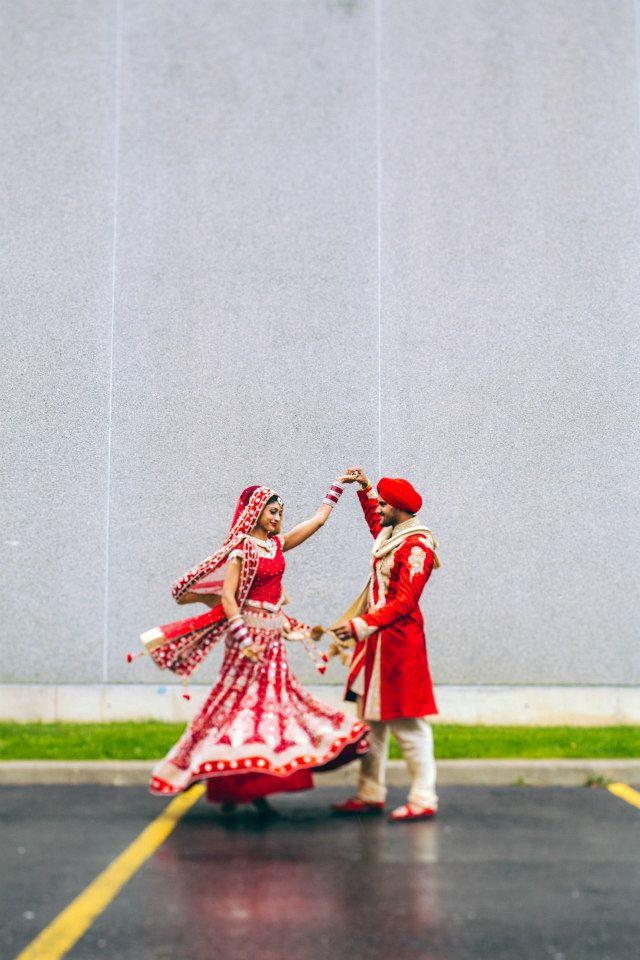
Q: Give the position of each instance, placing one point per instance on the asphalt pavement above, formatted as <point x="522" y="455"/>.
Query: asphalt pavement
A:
<point x="502" y="873"/>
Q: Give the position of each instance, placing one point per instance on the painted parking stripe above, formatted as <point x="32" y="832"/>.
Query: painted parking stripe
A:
<point x="625" y="793"/>
<point x="62" y="933"/>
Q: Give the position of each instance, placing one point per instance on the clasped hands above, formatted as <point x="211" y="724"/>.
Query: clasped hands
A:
<point x="352" y="475"/>
<point x="355" y="475"/>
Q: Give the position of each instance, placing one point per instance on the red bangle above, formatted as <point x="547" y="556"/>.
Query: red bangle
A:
<point x="333" y="494"/>
<point x="239" y="632"/>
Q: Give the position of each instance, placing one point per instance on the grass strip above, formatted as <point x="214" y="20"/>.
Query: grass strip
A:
<point x="457" y="742"/>
<point x="146" y="740"/>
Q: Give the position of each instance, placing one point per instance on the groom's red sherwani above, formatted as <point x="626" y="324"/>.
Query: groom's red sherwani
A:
<point x="389" y="667"/>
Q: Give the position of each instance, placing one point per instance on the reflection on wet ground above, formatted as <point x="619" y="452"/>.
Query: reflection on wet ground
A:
<point x="502" y="873"/>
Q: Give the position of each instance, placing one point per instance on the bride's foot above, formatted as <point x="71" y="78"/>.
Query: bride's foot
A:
<point x="228" y="808"/>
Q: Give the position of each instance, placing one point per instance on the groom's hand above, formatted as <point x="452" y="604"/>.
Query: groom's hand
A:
<point x="350" y="476"/>
<point x="343" y="631"/>
<point x="355" y="475"/>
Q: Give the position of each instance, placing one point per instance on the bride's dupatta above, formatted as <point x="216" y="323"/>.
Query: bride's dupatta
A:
<point x="180" y="646"/>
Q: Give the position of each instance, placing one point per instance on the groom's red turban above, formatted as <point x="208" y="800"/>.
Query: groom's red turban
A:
<point x="400" y="494"/>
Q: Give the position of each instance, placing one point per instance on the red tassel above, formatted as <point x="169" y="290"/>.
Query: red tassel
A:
<point x="186" y="696"/>
<point x="130" y="658"/>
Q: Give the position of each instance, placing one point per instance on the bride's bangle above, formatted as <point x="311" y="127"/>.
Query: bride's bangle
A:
<point x="239" y="632"/>
<point x="333" y="494"/>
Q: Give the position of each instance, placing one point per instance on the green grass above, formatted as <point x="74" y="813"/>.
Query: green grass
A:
<point x="143" y="741"/>
<point x="534" y="743"/>
<point x="87" y="741"/>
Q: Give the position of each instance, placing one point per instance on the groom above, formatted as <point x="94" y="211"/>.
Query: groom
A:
<point x="389" y="673"/>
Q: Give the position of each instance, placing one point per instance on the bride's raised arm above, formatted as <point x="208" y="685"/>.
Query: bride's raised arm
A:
<point x="302" y="531"/>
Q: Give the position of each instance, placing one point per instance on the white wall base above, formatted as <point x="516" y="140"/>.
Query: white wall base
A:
<point x="530" y="705"/>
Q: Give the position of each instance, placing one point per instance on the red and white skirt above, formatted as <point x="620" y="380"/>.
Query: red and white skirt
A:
<point x="259" y="731"/>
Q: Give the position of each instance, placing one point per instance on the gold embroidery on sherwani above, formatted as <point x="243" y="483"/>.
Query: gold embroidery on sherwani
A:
<point x="358" y="659"/>
<point x="385" y="545"/>
<point x="390" y="538"/>
<point x="416" y="561"/>
<point x="362" y="629"/>
<point x="382" y="575"/>
<point x="372" y="708"/>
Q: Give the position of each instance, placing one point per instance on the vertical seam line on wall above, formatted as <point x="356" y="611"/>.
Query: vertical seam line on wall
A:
<point x="636" y="58"/>
<point x="116" y="152"/>
<point x="378" y="59"/>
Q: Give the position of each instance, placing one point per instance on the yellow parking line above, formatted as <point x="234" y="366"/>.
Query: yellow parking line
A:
<point x="62" y="933"/>
<point x="625" y="793"/>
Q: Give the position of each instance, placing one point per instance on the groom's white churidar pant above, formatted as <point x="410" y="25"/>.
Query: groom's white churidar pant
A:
<point x="415" y="740"/>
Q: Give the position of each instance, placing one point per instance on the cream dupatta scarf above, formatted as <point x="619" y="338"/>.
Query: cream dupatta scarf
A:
<point x="351" y="651"/>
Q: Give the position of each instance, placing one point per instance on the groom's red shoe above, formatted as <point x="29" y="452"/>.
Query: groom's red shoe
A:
<point x="411" y="811"/>
<point x="356" y="805"/>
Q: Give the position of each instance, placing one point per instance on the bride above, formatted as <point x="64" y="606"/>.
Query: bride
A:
<point x="259" y="731"/>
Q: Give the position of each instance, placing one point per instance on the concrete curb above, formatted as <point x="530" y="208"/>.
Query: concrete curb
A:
<point x="516" y="705"/>
<point x="494" y="773"/>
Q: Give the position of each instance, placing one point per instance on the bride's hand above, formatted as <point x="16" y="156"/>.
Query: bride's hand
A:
<point x="355" y="475"/>
<point x="188" y="597"/>
<point x="350" y="476"/>
<point x="253" y="652"/>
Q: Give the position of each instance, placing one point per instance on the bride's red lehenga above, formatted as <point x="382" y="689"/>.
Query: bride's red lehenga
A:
<point x="259" y="731"/>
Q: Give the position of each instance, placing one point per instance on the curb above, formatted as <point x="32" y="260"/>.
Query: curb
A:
<point x="529" y="705"/>
<point x="485" y="773"/>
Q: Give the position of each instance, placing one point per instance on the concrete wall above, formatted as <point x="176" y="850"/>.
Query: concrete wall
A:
<point x="259" y="241"/>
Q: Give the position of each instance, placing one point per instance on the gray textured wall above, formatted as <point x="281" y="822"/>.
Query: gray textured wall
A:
<point x="217" y="210"/>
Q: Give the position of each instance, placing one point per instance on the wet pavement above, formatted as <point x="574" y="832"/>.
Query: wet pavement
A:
<point x="503" y="873"/>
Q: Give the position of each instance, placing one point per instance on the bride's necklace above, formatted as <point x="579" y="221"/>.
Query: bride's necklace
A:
<point x="269" y="546"/>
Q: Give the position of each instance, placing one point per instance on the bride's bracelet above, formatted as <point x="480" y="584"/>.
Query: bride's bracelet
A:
<point x="239" y="632"/>
<point x="333" y="494"/>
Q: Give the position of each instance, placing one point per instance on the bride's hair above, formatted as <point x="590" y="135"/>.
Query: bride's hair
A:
<point x="275" y="499"/>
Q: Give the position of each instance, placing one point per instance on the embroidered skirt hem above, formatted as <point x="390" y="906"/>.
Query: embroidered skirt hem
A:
<point x="245" y="779"/>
